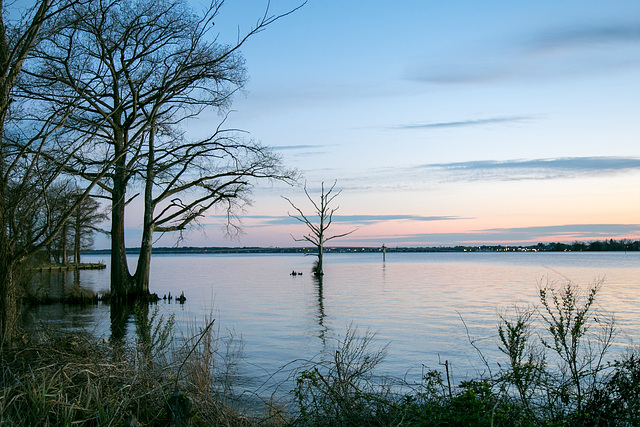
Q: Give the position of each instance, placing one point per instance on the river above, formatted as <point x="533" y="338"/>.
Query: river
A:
<point x="426" y="306"/>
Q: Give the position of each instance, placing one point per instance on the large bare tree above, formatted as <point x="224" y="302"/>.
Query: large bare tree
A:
<point x="317" y="235"/>
<point x="136" y="72"/>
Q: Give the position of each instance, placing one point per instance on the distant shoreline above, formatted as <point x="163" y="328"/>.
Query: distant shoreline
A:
<point x="599" y="246"/>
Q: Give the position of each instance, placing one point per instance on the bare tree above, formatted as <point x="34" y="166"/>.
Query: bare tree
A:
<point x="77" y="232"/>
<point x="185" y="179"/>
<point x="62" y="195"/>
<point x="28" y="149"/>
<point x="317" y="231"/>
<point x="136" y="71"/>
<point x="83" y="224"/>
<point x="16" y="39"/>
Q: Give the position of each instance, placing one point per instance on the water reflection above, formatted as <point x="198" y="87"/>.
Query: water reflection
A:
<point x="322" y="332"/>
<point x="119" y="316"/>
<point x="122" y="313"/>
<point x="68" y="300"/>
<point x="55" y="285"/>
<point x="62" y="299"/>
<point x="72" y="286"/>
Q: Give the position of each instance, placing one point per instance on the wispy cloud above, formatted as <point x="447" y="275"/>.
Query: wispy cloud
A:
<point x="461" y="71"/>
<point x="577" y="231"/>
<point x="585" y="49"/>
<point x="579" y="37"/>
<point x="384" y="218"/>
<point x="295" y="147"/>
<point x="564" y="163"/>
<point x="465" y="123"/>
<point x="563" y="167"/>
<point x="521" y="235"/>
<point x="265" y="220"/>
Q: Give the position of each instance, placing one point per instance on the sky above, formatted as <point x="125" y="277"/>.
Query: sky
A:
<point x="441" y="122"/>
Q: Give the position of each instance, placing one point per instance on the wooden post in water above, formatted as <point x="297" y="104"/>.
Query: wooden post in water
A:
<point x="384" y="253"/>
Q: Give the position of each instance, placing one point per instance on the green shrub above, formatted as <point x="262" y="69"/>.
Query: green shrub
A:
<point x="616" y="401"/>
<point x="343" y="390"/>
<point x="556" y="374"/>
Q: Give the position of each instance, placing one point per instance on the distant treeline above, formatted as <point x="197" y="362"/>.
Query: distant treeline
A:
<point x="600" y="245"/>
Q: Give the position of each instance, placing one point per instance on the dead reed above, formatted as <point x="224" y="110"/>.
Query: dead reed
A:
<point x="58" y="378"/>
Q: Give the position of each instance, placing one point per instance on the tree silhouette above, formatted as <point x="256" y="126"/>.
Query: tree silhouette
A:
<point x="318" y="231"/>
<point x="136" y="73"/>
<point x="31" y="215"/>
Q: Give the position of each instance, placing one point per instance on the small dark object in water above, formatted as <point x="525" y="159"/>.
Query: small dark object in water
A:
<point x="181" y="299"/>
<point x="296" y="273"/>
<point x="165" y="296"/>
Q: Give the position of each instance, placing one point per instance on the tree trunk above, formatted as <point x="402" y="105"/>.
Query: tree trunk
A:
<point x="77" y="241"/>
<point x="144" y="260"/>
<point x="8" y="296"/>
<point x="319" y="271"/>
<point x="8" y="304"/>
<point x="141" y="277"/>
<point x="121" y="280"/>
<point x="8" y="292"/>
<point x="63" y="243"/>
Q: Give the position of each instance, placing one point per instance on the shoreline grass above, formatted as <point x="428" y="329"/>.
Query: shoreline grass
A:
<point x="53" y="377"/>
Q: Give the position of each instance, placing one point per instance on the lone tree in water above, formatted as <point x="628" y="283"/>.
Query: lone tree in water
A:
<point x="317" y="232"/>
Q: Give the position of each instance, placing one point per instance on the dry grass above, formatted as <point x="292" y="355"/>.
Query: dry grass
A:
<point x="55" y="378"/>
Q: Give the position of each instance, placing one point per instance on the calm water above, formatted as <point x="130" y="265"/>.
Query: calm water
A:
<point x="415" y="302"/>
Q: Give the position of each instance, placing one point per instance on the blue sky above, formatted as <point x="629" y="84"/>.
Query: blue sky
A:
<point x="443" y="122"/>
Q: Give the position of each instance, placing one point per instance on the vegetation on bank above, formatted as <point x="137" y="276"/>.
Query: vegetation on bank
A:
<point x="557" y="370"/>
